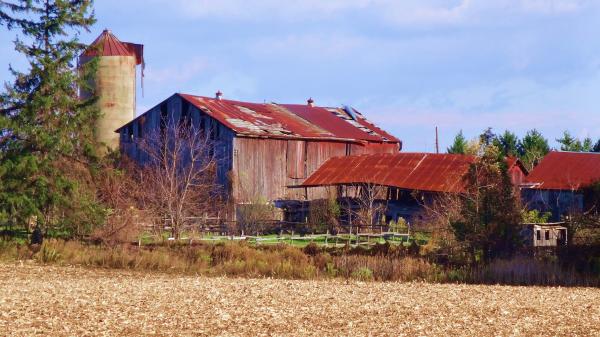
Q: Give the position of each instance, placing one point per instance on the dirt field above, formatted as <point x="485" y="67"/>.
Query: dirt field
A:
<point x="62" y="301"/>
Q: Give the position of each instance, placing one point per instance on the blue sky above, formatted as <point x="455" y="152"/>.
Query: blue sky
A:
<point x="407" y="65"/>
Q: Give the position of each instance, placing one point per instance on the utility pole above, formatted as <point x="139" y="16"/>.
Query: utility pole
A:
<point x="437" y="144"/>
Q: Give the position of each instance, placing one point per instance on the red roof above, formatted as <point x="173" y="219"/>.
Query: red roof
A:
<point x="565" y="171"/>
<point x="108" y="45"/>
<point x="411" y="171"/>
<point x="289" y="120"/>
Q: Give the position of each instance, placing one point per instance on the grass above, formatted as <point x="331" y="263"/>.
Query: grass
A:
<point x="380" y="262"/>
<point x="324" y="240"/>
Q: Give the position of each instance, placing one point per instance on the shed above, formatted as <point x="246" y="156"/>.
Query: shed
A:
<point x="544" y="234"/>
<point x="400" y="175"/>
<point x="556" y="184"/>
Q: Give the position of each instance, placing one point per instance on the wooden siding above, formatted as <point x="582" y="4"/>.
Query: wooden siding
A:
<point x="264" y="168"/>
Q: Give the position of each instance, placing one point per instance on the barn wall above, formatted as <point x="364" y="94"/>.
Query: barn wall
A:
<point x="558" y="202"/>
<point x="263" y="168"/>
<point x="221" y="137"/>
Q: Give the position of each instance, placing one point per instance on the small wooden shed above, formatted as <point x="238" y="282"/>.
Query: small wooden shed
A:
<point x="544" y="234"/>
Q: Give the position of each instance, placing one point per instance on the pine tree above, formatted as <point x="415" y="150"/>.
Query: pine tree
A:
<point x="459" y="145"/>
<point x="569" y="143"/>
<point x="533" y="148"/>
<point x="45" y="129"/>
<point x="508" y="143"/>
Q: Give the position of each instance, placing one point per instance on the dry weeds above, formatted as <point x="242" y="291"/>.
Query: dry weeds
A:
<point x="63" y="301"/>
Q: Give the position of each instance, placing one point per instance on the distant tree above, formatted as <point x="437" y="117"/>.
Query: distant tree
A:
<point x="570" y="143"/>
<point x="532" y="148"/>
<point x="508" y="143"/>
<point x="596" y="147"/>
<point x="46" y="131"/>
<point x="459" y="145"/>
<point x="489" y="215"/>
<point x="487" y="137"/>
<point x="587" y="144"/>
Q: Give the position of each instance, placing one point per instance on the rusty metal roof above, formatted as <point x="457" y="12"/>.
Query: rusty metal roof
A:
<point x="411" y="171"/>
<point x="565" y="171"/>
<point x="107" y="44"/>
<point x="289" y="120"/>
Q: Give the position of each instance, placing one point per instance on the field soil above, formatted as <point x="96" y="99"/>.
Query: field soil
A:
<point x="71" y="301"/>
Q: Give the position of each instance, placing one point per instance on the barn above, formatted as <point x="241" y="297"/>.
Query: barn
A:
<point x="406" y="181"/>
<point x="557" y="184"/>
<point x="265" y="147"/>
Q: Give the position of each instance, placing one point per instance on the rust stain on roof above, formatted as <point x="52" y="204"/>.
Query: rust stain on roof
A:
<point x="412" y="171"/>
<point x="565" y="171"/>
<point x="289" y="120"/>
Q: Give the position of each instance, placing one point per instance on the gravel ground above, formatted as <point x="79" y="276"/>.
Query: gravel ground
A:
<point x="69" y="301"/>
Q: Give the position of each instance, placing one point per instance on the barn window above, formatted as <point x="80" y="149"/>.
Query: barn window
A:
<point x="538" y="234"/>
<point x="547" y="235"/>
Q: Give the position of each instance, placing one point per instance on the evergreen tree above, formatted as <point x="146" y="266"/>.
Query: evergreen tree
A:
<point x="459" y="145"/>
<point x="596" y="147"/>
<point x="587" y="144"/>
<point x="488" y="212"/>
<point x="570" y="143"/>
<point x="508" y="143"/>
<point x="45" y="129"/>
<point x="533" y="148"/>
<point x="487" y="137"/>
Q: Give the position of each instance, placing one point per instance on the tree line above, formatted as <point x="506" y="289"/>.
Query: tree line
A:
<point x="530" y="149"/>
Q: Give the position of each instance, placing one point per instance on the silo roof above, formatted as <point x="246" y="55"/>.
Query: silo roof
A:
<point x="107" y="44"/>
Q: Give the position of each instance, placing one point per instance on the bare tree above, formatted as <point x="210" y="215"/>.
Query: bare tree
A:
<point x="179" y="173"/>
<point x="119" y="192"/>
<point x="371" y="202"/>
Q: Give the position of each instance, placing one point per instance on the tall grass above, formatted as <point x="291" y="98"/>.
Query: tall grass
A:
<point x="236" y="259"/>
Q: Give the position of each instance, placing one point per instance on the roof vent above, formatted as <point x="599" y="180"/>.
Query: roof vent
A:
<point x="310" y="102"/>
<point x="219" y="95"/>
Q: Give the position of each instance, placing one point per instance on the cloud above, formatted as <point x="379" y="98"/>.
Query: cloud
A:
<point x="176" y="73"/>
<point x="406" y="12"/>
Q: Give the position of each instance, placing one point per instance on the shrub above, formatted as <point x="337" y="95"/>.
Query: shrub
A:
<point x="363" y="274"/>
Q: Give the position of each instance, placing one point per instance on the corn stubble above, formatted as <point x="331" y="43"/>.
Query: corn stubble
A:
<point x="62" y="301"/>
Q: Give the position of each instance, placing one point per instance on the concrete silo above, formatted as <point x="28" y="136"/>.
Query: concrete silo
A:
<point x="115" y="84"/>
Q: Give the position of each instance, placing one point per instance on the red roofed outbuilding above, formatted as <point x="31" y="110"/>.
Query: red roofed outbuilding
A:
<point x="556" y="184"/>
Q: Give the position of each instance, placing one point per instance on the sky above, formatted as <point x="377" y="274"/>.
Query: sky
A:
<point x="408" y="65"/>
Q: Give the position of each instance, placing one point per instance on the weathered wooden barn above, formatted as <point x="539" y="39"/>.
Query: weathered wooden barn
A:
<point x="557" y="183"/>
<point x="264" y="148"/>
